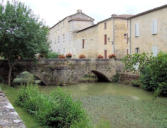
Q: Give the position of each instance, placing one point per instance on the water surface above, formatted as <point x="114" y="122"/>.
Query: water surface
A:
<point x="122" y="106"/>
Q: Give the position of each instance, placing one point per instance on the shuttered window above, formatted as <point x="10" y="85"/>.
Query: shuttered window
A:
<point x="105" y="39"/>
<point x="137" y="32"/>
<point x="154" y="27"/>
<point x="83" y="43"/>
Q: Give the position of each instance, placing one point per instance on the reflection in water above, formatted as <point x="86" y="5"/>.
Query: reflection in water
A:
<point x="97" y="89"/>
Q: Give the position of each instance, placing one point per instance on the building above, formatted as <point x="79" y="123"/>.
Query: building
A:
<point x="148" y="31"/>
<point x="104" y="38"/>
<point x="61" y="34"/>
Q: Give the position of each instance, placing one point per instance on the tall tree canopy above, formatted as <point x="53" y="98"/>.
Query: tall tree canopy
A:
<point x="21" y="34"/>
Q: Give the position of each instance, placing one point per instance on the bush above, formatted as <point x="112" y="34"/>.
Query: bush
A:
<point x="69" y="55"/>
<point x="24" y="78"/>
<point x="82" y="56"/>
<point x="100" y="57"/>
<point x="112" y="56"/>
<point x="136" y="83"/>
<point x="1" y="80"/>
<point x="62" y="57"/>
<point x="116" y="77"/>
<point x="57" y="110"/>
<point x="52" y="55"/>
<point x="154" y="75"/>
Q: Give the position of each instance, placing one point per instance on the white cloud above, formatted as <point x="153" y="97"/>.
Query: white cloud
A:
<point x="51" y="11"/>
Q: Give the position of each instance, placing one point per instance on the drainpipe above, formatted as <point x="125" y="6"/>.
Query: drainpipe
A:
<point x="130" y="37"/>
<point x="113" y="33"/>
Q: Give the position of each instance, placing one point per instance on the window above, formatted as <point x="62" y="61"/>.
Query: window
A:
<point x="105" y="25"/>
<point x="155" y="50"/>
<point x="127" y="51"/>
<point x="154" y="27"/>
<point x="83" y="43"/>
<point x="137" y="50"/>
<point x="137" y="32"/>
<point x="105" y="39"/>
<point x="105" y="54"/>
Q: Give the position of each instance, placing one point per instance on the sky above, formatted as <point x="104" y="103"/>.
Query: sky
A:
<point x="52" y="11"/>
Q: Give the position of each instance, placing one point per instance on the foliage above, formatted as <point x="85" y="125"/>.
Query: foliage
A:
<point x="153" y="71"/>
<point x="116" y="77"/>
<point x="61" y="57"/>
<point x="1" y="80"/>
<point x="52" y="55"/>
<point x="112" y="56"/>
<point x="82" y="56"/>
<point x="57" y="110"/>
<point x="24" y="78"/>
<point x="21" y="34"/>
<point x="100" y="57"/>
<point x="154" y="74"/>
<point x="69" y="55"/>
<point x="136" y="62"/>
<point x="136" y="83"/>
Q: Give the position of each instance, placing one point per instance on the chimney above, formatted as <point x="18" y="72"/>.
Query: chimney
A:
<point x="113" y="15"/>
<point x="79" y="11"/>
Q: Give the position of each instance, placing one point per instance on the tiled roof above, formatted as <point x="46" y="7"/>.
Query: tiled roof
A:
<point x="73" y="19"/>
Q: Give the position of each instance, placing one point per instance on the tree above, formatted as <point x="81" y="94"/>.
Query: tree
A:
<point x="22" y="35"/>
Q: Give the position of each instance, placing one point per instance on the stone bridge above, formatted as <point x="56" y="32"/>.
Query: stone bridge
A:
<point x="60" y="71"/>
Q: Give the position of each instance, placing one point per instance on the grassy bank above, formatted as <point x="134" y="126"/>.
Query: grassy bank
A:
<point x="28" y="120"/>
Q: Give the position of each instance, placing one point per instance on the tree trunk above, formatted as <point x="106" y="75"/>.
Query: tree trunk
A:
<point x="10" y="73"/>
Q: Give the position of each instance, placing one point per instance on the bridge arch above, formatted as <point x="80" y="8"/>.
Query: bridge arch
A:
<point x="100" y="76"/>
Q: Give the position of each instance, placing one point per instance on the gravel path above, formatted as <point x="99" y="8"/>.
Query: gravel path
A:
<point x="8" y="116"/>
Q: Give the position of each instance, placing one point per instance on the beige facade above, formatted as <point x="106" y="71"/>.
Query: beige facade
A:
<point x="148" y="31"/>
<point x="61" y="35"/>
<point x="105" y="38"/>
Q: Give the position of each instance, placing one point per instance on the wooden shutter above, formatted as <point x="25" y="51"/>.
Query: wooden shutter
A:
<point x="137" y="33"/>
<point x="154" y="27"/>
<point x="105" y="39"/>
<point x="105" y="54"/>
<point x="83" y="43"/>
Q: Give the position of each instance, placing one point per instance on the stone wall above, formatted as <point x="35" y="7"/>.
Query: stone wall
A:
<point x="60" y="71"/>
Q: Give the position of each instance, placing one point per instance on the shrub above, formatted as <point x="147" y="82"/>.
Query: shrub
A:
<point x="1" y="80"/>
<point x="153" y="76"/>
<point x="52" y="55"/>
<point x="136" y="83"/>
<point x="24" y="78"/>
<point x="69" y="55"/>
<point x="100" y="57"/>
<point x="61" y="57"/>
<point x="112" y="56"/>
<point x="57" y="110"/>
<point x="82" y="56"/>
<point x="116" y="77"/>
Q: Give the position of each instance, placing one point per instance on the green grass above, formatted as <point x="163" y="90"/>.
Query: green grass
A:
<point x="28" y="120"/>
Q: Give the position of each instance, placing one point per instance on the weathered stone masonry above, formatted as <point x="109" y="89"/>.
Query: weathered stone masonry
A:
<point x="56" y="71"/>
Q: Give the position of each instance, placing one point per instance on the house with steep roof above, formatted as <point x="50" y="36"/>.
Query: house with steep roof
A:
<point x="61" y="34"/>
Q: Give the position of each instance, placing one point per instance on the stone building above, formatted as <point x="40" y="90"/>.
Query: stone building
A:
<point x="104" y="38"/>
<point x="61" y="34"/>
<point x="148" y="31"/>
